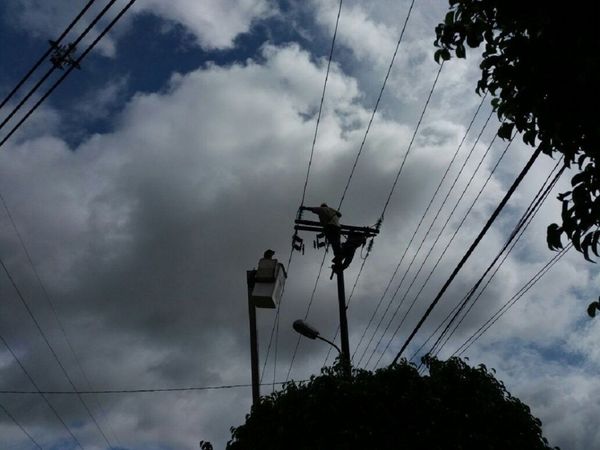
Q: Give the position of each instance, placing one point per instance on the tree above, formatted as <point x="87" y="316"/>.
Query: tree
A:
<point x="454" y="407"/>
<point x="541" y="65"/>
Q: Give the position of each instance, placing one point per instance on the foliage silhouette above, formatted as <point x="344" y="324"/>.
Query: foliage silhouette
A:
<point x="541" y="66"/>
<point x="454" y="407"/>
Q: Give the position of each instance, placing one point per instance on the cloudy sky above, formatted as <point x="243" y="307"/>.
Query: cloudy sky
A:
<point x="137" y="196"/>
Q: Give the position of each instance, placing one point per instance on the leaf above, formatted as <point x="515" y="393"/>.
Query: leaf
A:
<point x="591" y="309"/>
<point x="553" y="237"/>
<point x="460" y="51"/>
<point x="445" y="54"/>
<point x="585" y="246"/>
<point x="505" y="130"/>
<point x="449" y="19"/>
<point x="579" y="178"/>
<point x="595" y="242"/>
<point x="529" y="137"/>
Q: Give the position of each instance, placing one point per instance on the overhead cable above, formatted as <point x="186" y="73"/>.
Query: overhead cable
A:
<point x="46" y="54"/>
<point x="51" y="305"/>
<point x="470" y="250"/>
<point x="145" y="391"/>
<point x="314" y="141"/>
<point x="275" y="327"/>
<point x="385" y="80"/>
<point x="385" y="291"/>
<point x="444" y="201"/>
<point x="68" y="71"/>
<point x="514" y="237"/>
<point x="39" y="391"/>
<point x="53" y="68"/>
<point x="448" y="244"/>
<point x="52" y="351"/>
<point x="511" y="302"/>
<point x="20" y="426"/>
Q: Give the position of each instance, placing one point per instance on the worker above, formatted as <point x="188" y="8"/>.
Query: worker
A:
<point x="330" y="220"/>
<point x="347" y="250"/>
<point x="267" y="268"/>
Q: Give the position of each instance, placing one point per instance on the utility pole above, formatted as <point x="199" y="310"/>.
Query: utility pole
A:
<point x="250" y="274"/>
<point x="338" y="268"/>
<point x="343" y="321"/>
<point x="265" y="287"/>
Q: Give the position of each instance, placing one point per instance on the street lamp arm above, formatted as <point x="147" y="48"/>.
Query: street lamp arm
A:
<point x="330" y="343"/>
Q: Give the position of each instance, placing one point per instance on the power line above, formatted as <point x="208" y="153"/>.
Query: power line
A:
<point x="21" y="427"/>
<point x="448" y="244"/>
<point x="46" y="54"/>
<point x="385" y="291"/>
<point x="145" y="391"/>
<point x="50" y="303"/>
<point x="312" y="150"/>
<point x="53" y="68"/>
<point x="387" y="201"/>
<point x="515" y="236"/>
<point x="470" y="251"/>
<point x="444" y="201"/>
<point x="352" y="170"/>
<point x="412" y="139"/>
<point x="380" y="221"/>
<point x="68" y="71"/>
<point x="387" y="75"/>
<point x="510" y="303"/>
<point x="275" y="327"/>
<point x="310" y="302"/>
<point x="39" y="391"/>
<point x="47" y="342"/>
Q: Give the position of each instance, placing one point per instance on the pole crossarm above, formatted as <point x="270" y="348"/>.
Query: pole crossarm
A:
<point x="310" y="225"/>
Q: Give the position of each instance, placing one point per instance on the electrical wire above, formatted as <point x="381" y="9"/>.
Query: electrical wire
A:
<point x="46" y="54"/>
<point x="39" y="391"/>
<point x="510" y="244"/>
<point x="51" y="348"/>
<point x="68" y="71"/>
<point x="53" y="68"/>
<point x="275" y="327"/>
<point x="21" y="427"/>
<point x="354" y="165"/>
<point x="51" y="306"/>
<point x="145" y="391"/>
<point x="470" y="250"/>
<point x="312" y="150"/>
<point x="448" y="244"/>
<point x="385" y="291"/>
<point x="310" y="302"/>
<point x="511" y="302"/>
<point x="385" y="80"/>
<point x="443" y="203"/>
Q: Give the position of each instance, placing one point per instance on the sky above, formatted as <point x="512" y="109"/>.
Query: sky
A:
<point x="139" y="193"/>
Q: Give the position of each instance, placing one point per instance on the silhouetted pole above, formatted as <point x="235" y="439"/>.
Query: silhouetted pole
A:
<point x="343" y="322"/>
<point x="250" y="274"/>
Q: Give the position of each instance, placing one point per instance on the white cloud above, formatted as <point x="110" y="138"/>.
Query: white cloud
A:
<point x="143" y="233"/>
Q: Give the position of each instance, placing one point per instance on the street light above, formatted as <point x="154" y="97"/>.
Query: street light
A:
<point x="308" y="331"/>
